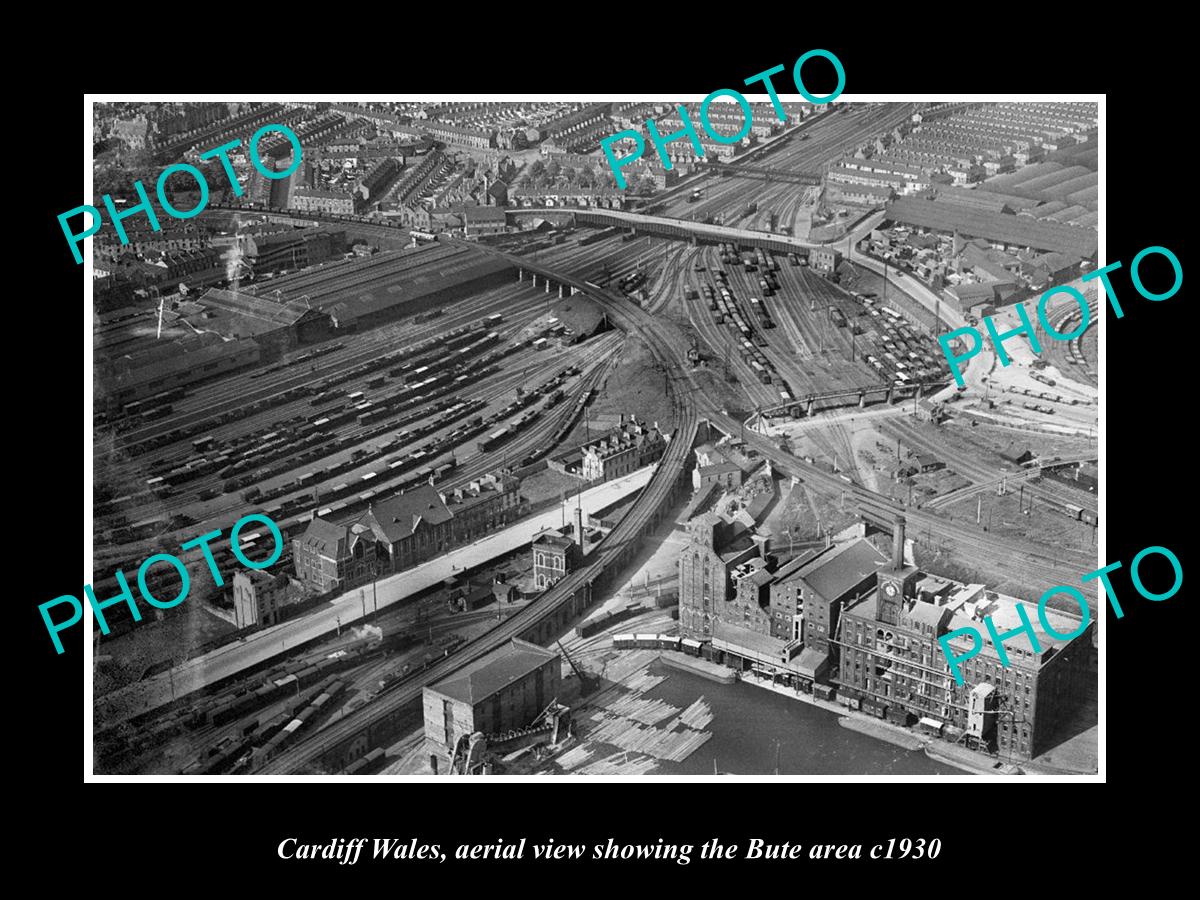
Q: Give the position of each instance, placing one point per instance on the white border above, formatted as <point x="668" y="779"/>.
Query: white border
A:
<point x="90" y="99"/>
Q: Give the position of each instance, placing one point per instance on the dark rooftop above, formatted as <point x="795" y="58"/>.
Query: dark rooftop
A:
<point x="833" y="574"/>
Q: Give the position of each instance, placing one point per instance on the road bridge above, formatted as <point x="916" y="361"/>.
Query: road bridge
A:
<point x="349" y="738"/>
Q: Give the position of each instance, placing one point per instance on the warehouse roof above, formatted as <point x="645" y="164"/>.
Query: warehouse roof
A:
<point x="481" y="679"/>
<point x="1021" y="231"/>
<point x="238" y="314"/>
<point x="833" y="574"/>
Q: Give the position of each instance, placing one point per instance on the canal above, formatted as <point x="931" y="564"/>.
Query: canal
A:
<point x="748" y="720"/>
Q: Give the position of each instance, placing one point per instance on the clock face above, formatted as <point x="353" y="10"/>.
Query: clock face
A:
<point x="890" y="589"/>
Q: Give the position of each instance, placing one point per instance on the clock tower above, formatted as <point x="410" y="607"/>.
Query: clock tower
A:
<point x="896" y="583"/>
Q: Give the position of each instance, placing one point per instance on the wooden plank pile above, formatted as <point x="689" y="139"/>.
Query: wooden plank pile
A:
<point x="675" y="746"/>
<point x="697" y="716"/>
<point x="648" y="712"/>
<point x="620" y="764"/>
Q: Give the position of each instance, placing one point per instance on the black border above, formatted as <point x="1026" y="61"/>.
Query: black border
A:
<point x="896" y="52"/>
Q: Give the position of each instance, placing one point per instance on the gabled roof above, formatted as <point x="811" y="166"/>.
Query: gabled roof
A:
<point x="324" y="537"/>
<point x="494" y="672"/>
<point x="398" y="517"/>
<point x="834" y="574"/>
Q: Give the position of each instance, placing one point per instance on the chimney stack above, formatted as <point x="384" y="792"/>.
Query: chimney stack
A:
<point x="898" y="544"/>
<point x="579" y="526"/>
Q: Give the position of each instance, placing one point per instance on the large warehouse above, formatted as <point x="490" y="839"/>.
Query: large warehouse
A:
<point x="503" y="691"/>
<point x="1019" y="231"/>
<point x="383" y="287"/>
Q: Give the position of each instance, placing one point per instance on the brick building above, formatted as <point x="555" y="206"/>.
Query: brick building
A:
<point x="554" y="556"/>
<point x="258" y="598"/>
<point x="824" y="259"/>
<point x="312" y="199"/>
<point x="892" y="664"/>
<point x="503" y="691"/>
<point x="624" y="449"/>
<point x="847" y="616"/>
<point x="331" y="557"/>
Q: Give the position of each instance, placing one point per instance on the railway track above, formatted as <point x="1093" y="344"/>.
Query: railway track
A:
<point x="667" y="345"/>
<point x="563" y="592"/>
<point x="980" y="472"/>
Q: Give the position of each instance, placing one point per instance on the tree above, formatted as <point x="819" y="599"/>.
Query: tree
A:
<point x="553" y="169"/>
<point x="536" y="169"/>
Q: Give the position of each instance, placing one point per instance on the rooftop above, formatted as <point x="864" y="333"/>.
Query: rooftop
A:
<point x="835" y="573"/>
<point x="399" y="516"/>
<point x="481" y="679"/>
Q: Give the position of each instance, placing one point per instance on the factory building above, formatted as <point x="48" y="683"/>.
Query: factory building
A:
<point x="780" y="619"/>
<point x="501" y="692"/>
<point x="284" y="250"/>
<point x="847" y="617"/>
<point x="892" y="665"/>
<point x="274" y="326"/>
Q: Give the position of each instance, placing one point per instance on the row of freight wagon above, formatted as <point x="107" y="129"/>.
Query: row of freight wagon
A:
<point x="300" y="360"/>
<point x="551" y="390"/>
<point x="301" y="432"/>
<point x="262" y="740"/>
<point x="657" y="642"/>
<point x="431" y="349"/>
<point x="282" y="682"/>
<point x="893" y="347"/>
<point x="727" y="312"/>
<point x="346" y="498"/>
<point x="599" y="236"/>
<point x="449" y="442"/>
<point x="421" y="406"/>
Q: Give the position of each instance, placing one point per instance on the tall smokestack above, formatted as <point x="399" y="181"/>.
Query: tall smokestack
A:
<point x="579" y="526"/>
<point x="898" y="544"/>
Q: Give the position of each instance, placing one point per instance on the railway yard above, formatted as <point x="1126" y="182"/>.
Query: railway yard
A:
<point x="549" y="337"/>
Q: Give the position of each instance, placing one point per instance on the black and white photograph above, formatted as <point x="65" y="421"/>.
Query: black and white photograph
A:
<point x="705" y="438"/>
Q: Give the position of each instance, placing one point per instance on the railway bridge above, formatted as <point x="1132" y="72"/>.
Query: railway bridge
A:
<point x="663" y="226"/>
<point x="882" y="393"/>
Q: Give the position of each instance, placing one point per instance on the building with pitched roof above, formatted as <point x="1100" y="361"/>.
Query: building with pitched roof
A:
<point x="330" y="557"/>
<point x="503" y="691"/>
<point x="623" y="450"/>
<point x="890" y="662"/>
<point x="412" y="526"/>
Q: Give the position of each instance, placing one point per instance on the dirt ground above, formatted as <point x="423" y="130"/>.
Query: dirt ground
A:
<point x="808" y="515"/>
<point x="1001" y="515"/>
<point x="995" y="439"/>
<point x="547" y="484"/>
<point x="636" y="386"/>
